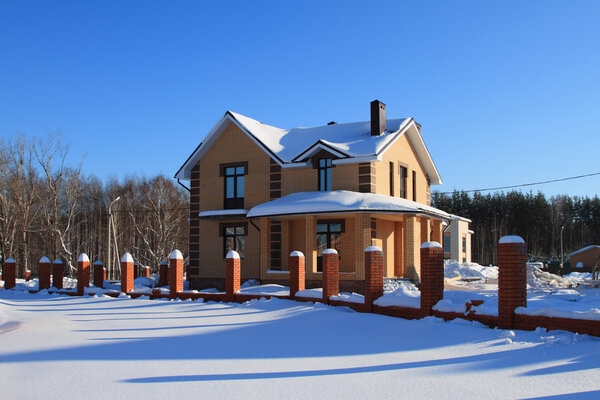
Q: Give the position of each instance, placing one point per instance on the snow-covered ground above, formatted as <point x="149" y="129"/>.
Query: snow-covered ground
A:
<point x="61" y="347"/>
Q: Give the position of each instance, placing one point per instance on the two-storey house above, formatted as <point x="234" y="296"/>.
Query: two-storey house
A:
<point x="266" y="191"/>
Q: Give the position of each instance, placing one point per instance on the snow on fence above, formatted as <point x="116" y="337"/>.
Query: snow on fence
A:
<point x="512" y="286"/>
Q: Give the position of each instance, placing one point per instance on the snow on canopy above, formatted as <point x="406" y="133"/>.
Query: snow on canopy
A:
<point x="341" y="201"/>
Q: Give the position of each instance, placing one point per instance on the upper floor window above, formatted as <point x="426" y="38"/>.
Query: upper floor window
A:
<point x="234" y="184"/>
<point x="325" y="174"/>
<point x="403" y="179"/>
<point x="414" y="185"/>
<point x="391" y="179"/>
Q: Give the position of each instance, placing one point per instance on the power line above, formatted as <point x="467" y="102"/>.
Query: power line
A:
<point x="154" y="211"/>
<point x="525" y="184"/>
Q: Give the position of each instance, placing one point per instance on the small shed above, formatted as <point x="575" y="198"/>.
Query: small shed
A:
<point x="585" y="258"/>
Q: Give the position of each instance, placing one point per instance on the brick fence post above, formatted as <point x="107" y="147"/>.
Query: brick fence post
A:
<point x="146" y="271"/>
<point x="331" y="274"/>
<point x="432" y="276"/>
<point x="27" y="275"/>
<point x="10" y="273"/>
<point x="98" y="274"/>
<point x="57" y="274"/>
<point x="44" y="273"/>
<point x="175" y="273"/>
<point x="232" y="275"/>
<point x="512" y="279"/>
<point x="297" y="272"/>
<point x="126" y="273"/>
<point x="83" y="273"/>
<point x="373" y="275"/>
<point x="163" y="271"/>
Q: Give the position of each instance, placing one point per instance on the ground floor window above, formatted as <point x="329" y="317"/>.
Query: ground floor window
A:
<point x="234" y="238"/>
<point x="329" y="235"/>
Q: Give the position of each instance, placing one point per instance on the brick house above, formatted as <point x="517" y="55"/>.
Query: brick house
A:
<point x="266" y="191"/>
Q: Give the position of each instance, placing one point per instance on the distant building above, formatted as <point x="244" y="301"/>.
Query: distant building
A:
<point x="457" y="239"/>
<point x="585" y="258"/>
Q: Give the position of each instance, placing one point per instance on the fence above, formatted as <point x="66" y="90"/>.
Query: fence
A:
<point x="512" y="285"/>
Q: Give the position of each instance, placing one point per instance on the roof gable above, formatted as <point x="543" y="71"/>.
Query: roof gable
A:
<point x="352" y="142"/>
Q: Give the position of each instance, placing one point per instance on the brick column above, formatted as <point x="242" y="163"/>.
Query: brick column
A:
<point x="175" y="273"/>
<point x="437" y="231"/>
<point x="163" y="277"/>
<point x="146" y="271"/>
<point x="432" y="276"/>
<point x="297" y="272"/>
<point x="27" y="275"/>
<point x="512" y="280"/>
<point x="373" y="274"/>
<point x="44" y="273"/>
<point x="331" y="274"/>
<point x="98" y="274"/>
<point x="103" y="274"/>
<point x="57" y="274"/>
<point x="83" y="273"/>
<point x="126" y="273"/>
<point x="232" y="275"/>
<point x="10" y="273"/>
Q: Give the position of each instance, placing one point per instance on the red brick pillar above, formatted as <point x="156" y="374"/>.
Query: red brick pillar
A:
<point x="27" y="275"/>
<point x="98" y="274"/>
<point x="126" y="273"/>
<point x="146" y="271"/>
<point x="232" y="275"/>
<point x="432" y="276"/>
<point x="103" y="274"/>
<point x="297" y="272"/>
<point x="83" y="273"/>
<point x="175" y="273"/>
<point x="57" y="274"/>
<point x="331" y="274"/>
<point x="512" y="279"/>
<point x="44" y="273"/>
<point x="373" y="274"/>
<point x="10" y="273"/>
<point x="163" y="270"/>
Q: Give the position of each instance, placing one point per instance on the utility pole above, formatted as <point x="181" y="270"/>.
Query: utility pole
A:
<point x="109" y="259"/>
<point x="561" y="246"/>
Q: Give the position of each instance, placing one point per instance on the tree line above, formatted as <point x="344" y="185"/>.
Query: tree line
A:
<point x="48" y="208"/>
<point x="536" y="218"/>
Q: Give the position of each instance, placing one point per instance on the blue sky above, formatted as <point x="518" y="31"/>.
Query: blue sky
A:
<point x="506" y="92"/>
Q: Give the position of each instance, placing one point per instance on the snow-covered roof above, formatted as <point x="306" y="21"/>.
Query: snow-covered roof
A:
<point x="352" y="142"/>
<point x="341" y="201"/>
<point x="584" y="249"/>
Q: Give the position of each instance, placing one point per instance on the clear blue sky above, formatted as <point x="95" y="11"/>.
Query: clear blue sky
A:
<point x="506" y="92"/>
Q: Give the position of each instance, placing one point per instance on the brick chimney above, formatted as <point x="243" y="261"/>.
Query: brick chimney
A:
<point x="377" y="118"/>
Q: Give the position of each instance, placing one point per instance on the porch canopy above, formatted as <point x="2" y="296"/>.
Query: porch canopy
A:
<point x="343" y="201"/>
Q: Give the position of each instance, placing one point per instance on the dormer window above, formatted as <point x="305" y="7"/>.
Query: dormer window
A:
<point x="233" y="174"/>
<point x="324" y="174"/>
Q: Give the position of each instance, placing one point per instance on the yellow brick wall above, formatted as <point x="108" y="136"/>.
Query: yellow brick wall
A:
<point x="233" y="146"/>
<point x="306" y="179"/>
<point x="401" y="153"/>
